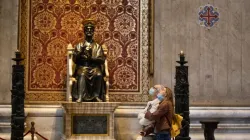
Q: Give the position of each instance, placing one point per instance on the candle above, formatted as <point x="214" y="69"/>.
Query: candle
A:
<point x="18" y="54"/>
<point x="182" y="56"/>
<point x="182" y="53"/>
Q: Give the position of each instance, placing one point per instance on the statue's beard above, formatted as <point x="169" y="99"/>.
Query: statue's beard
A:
<point x="89" y="33"/>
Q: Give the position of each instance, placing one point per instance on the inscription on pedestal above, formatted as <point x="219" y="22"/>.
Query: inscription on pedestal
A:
<point x="90" y="124"/>
<point x="89" y="120"/>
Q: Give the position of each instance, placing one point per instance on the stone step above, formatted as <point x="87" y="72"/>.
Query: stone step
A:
<point x="6" y="136"/>
<point x="5" y="127"/>
<point x="5" y="121"/>
<point x="222" y="136"/>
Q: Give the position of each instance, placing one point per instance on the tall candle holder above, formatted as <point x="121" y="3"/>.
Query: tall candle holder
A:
<point x="181" y="91"/>
<point x="17" y="99"/>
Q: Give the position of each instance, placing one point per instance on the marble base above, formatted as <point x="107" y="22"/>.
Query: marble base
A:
<point x="89" y="109"/>
<point x="234" y="121"/>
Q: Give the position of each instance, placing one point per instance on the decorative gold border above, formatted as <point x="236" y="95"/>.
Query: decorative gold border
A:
<point x="146" y="55"/>
<point x="108" y="124"/>
<point x="151" y="40"/>
<point x="151" y="36"/>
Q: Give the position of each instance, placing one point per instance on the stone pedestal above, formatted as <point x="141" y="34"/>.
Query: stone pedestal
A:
<point x="209" y="126"/>
<point x="89" y="120"/>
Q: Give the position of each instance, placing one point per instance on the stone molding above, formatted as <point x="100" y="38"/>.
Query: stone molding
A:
<point x="125" y="110"/>
<point x="234" y="121"/>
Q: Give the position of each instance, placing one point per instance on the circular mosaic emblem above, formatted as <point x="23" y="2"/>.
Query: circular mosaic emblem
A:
<point x="124" y="24"/>
<point x="208" y="16"/>
<point x="44" y="21"/>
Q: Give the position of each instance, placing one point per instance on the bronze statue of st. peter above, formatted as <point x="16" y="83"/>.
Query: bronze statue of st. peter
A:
<point x="89" y="71"/>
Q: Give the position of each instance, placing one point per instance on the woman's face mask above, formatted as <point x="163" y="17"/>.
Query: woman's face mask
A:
<point x="152" y="91"/>
<point x="160" y="97"/>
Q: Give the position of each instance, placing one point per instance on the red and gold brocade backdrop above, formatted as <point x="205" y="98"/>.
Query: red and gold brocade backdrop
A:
<point x="53" y="24"/>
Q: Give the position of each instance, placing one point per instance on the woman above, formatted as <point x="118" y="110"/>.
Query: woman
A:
<point x="148" y="125"/>
<point x="163" y="115"/>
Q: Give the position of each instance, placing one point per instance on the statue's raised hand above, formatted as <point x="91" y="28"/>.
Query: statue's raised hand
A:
<point x="85" y="53"/>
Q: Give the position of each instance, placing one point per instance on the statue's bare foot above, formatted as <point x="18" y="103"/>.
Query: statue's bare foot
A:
<point x="98" y="99"/>
<point x="79" y="100"/>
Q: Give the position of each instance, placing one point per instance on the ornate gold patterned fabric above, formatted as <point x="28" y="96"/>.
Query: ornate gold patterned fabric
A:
<point x="50" y="25"/>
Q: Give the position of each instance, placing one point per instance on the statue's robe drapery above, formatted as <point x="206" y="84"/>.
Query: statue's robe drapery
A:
<point x="88" y="73"/>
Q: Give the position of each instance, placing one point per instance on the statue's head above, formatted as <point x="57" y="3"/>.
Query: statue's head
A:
<point x="89" y="27"/>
